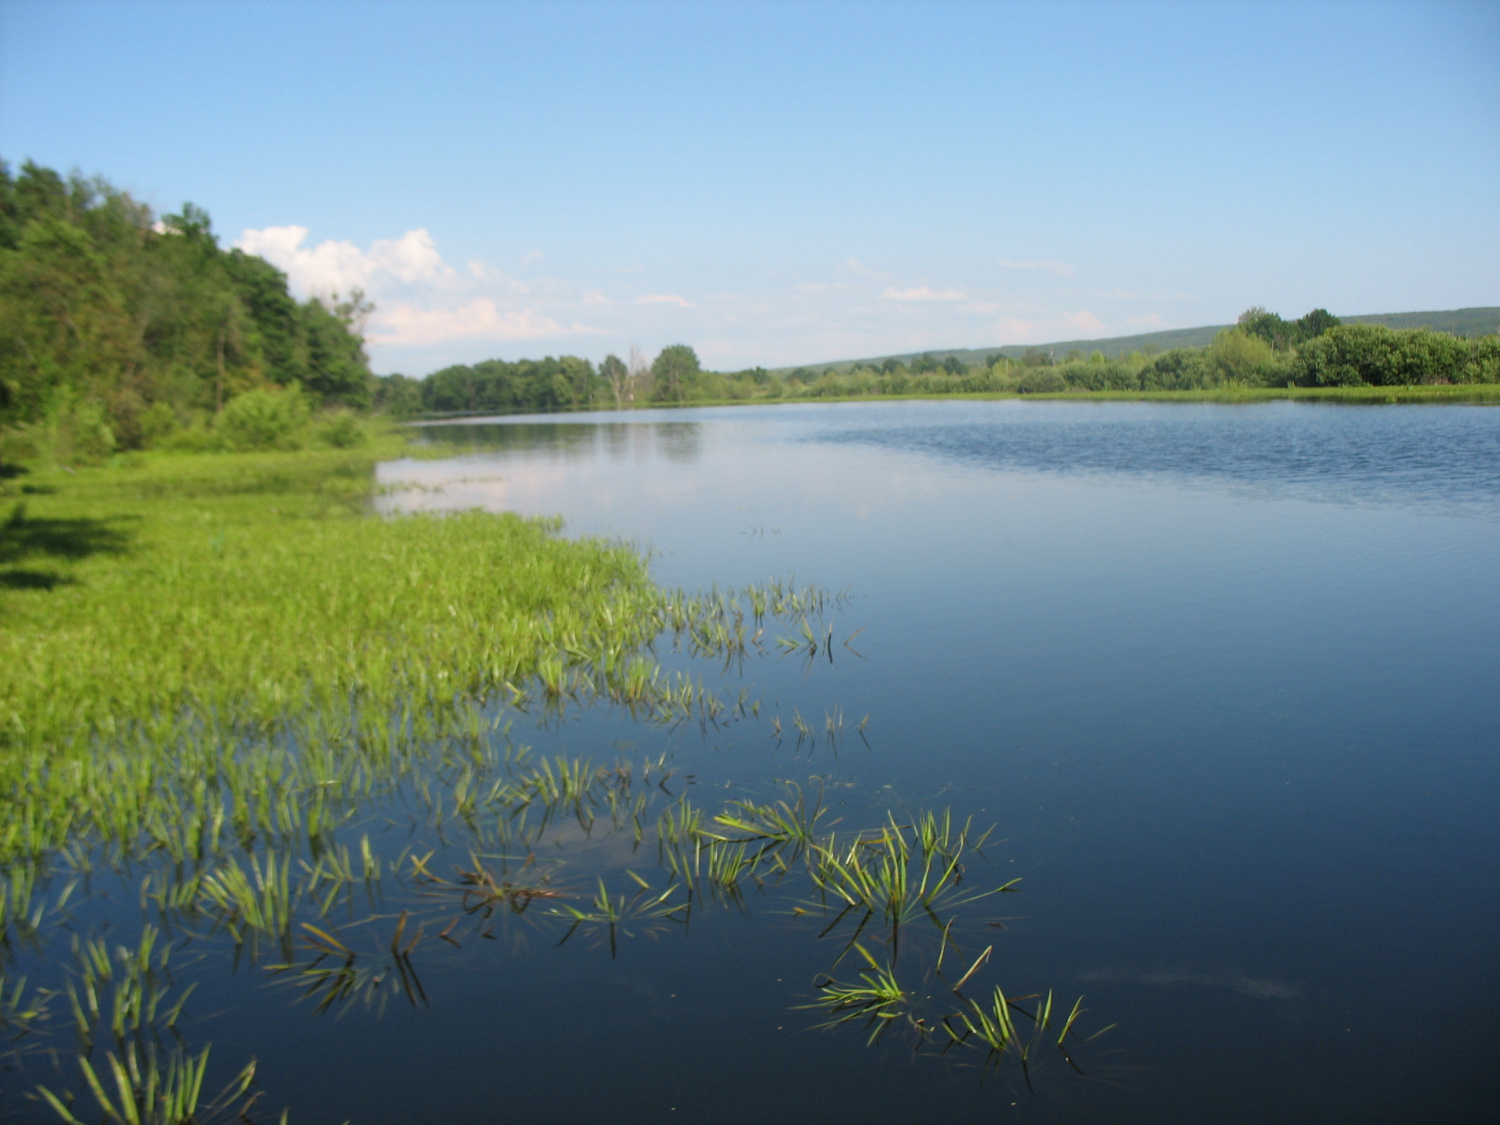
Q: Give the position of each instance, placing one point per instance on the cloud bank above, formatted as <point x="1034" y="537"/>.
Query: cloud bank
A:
<point x="430" y="313"/>
<point x="337" y="267"/>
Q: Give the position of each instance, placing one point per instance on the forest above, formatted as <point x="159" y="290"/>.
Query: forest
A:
<point x="119" y="330"/>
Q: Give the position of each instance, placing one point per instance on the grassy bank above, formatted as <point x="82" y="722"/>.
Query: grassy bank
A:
<point x="1452" y="393"/>
<point x="1465" y="392"/>
<point x="225" y="679"/>
<point x="1468" y="392"/>
<point x="169" y="620"/>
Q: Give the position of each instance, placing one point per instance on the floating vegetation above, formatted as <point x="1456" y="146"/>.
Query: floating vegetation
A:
<point x="878" y="1000"/>
<point x="619" y="916"/>
<point x="899" y="874"/>
<point x="125" y="994"/>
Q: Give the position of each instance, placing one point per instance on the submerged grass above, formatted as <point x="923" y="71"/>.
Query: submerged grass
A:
<point x="232" y="656"/>
<point x="236" y="636"/>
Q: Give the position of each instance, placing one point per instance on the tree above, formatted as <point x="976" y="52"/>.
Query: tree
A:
<point x="578" y="374"/>
<point x="675" y="371"/>
<point x="107" y="308"/>
<point x="640" y="375"/>
<point x="1285" y="335"/>
<point x="617" y="375"/>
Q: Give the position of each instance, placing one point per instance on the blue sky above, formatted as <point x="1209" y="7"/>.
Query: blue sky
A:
<point x="780" y="183"/>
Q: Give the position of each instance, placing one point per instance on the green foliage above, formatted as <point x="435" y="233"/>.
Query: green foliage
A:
<point x="1284" y="335"/>
<point x="1373" y="355"/>
<point x="1042" y="380"/>
<point x="148" y="321"/>
<point x="264" y="419"/>
<point x="1236" y="356"/>
<point x="342" y="430"/>
<point x="175" y="621"/>
<point x="676" y="373"/>
<point x="526" y="386"/>
<point x="400" y="396"/>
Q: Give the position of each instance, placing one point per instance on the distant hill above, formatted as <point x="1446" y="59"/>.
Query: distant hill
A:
<point x="1460" y="322"/>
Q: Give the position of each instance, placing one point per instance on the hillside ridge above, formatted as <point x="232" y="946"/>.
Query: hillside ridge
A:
<point x="1478" y="321"/>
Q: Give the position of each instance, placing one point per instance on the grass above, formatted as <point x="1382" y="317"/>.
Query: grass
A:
<point x="217" y="664"/>
<point x="197" y="616"/>
<point x="148" y="1091"/>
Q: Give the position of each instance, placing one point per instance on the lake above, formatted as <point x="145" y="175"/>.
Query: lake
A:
<point x="1225" y="679"/>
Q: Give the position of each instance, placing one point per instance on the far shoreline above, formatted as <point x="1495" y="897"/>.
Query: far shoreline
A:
<point x="1483" y="394"/>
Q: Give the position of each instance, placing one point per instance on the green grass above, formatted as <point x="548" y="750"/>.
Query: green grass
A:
<point x="217" y="664"/>
<point x="171" y="625"/>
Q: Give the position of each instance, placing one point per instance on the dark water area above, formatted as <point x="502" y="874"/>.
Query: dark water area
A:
<point x="1225" y="678"/>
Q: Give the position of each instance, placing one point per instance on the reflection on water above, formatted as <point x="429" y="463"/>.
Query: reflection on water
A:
<point x="1221" y="677"/>
<point x="675" y="440"/>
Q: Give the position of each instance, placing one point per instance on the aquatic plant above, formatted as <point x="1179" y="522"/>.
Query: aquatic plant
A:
<point x="151" y="1091"/>
<point x="878" y="999"/>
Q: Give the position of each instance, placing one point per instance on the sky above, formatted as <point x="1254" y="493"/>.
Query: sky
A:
<point x="787" y="183"/>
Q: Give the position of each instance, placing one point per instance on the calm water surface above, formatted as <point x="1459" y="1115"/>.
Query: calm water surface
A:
<point x="1225" y="678"/>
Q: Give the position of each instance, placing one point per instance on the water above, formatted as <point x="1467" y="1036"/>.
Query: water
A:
<point x="1224" y="677"/>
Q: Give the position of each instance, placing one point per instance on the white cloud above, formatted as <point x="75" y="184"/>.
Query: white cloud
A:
<point x="854" y="265"/>
<point x="339" y="266"/>
<point x="922" y="293"/>
<point x="1057" y="269"/>
<point x="407" y="325"/>
<point x="1150" y="320"/>
<point x="663" y="299"/>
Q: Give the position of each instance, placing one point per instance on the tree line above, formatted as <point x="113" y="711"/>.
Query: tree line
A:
<point x="567" y="383"/>
<point x="1261" y="350"/>
<point x="119" y="329"/>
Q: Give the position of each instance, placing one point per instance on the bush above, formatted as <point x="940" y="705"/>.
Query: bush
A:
<point x="1234" y="356"/>
<point x="72" y="430"/>
<point x="1484" y="361"/>
<point x="1181" y="369"/>
<point x="1101" y="375"/>
<point x="157" y="423"/>
<point x="264" y="419"/>
<point x="1041" y="381"/>
<point x="341" y="430"/>
<point x="1372" y="354"/>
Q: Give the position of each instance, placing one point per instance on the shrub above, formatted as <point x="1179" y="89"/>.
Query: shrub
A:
<point x="1234" y="356"/>
<point x="1181" y="369"/>
<point x="1372" y="354"/>
<point x="1483" y="365"/>
<point x="264" y="419"/>
<point x="1041" y="381"/>
<point x="341" y="430"/>
<point x="1101" y="375"/>
<point x="157" y="422"/>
